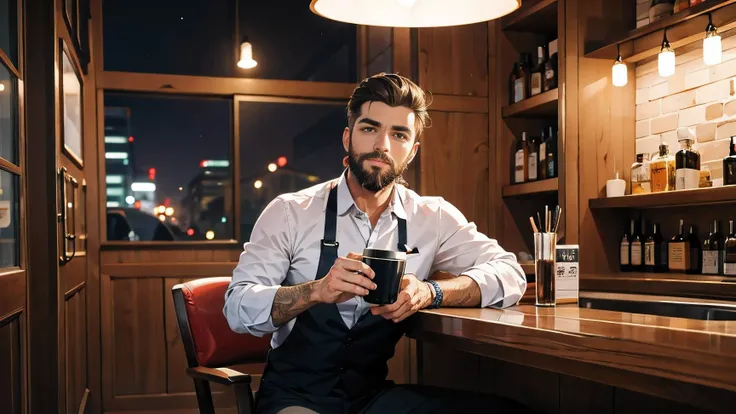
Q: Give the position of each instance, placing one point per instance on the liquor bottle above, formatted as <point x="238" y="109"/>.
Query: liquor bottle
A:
<point x="532" y="160"/>
<point x="625" y="250"/>
<point x="538" y="74"/>
<point x="729" y="252"/>
<point x="521" y="83"/>
<point x="696" y="252"/>
<point x="655" y="251"/>
<point x="520" y="160"/>
<point x="550" y="67"/>
<point x="687" y="162"/>
<point x="662" y="170"/>
<point x="678" y="252"/>
<point x="713" y="251"/>
<point x="660" y="9"/>
<point x="552" y="164"/>
<point x="637" y="249"/>
<point x="729" y="164"/>
<point x="640" y="182"/>
<point x="512" y="82"/>
<point x="542" y="161"/>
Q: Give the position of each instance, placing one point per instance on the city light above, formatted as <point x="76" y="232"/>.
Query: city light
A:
<point x="214" y="163"/>
<point x="169" y="211"/>
<point x="131" y="139"/>
<point x="151" y="173"/>
<point x="114" y="139"/>
<point x="113" y="204"/>
<point x="281" y="161"/>
<point x="162" y="217"/>
<point x="2" y="87"/>
<point x="190" y="232"/>
<point x="210" y="235"/>
<point x="224" y="220"/>
<point x="160" y="210"/>
<point x="272" y="167"/>
<point x="258" y="184"/>
<point x="130" y="199"/>
<point x="114" y="179"/>
<point x="115" y="191"/>
<point x="181" y="188"/>
<point x="143" y="187"/>
<point x="116" y="155"/>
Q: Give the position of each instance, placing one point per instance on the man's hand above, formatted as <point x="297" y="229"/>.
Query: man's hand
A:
<point x="414" y="295"/>
<point x="348" y="277"/>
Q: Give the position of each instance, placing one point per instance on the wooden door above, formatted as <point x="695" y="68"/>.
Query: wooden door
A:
<point x="75" y="144"/>
<point x="13" y="309"/>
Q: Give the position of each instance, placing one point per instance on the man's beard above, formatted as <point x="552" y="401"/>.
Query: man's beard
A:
<point x="377" y="178"/>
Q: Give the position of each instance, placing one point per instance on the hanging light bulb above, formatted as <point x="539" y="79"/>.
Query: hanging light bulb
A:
<point x="413" y="13"/>
<point x="246" y="55"/>
<point x="666" y="59"/>
<point x="712" y="48"/>
<point x="619" y="72"/>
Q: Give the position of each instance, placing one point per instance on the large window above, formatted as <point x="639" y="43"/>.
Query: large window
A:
<point x="167" y="168"/>
<point x="202" y="37"/>
<point x="286" y="147"/>
<point x="9" y="136"/>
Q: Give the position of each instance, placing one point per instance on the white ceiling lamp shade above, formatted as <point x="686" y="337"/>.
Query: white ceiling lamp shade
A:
<point x="712" y="45"/>
<point x="413" y="13"/>
<point x="246" y="55"/>
<point x="666" y="59"/>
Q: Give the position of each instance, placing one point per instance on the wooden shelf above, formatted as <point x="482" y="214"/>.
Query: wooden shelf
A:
<point x="645" y="41"/>
<point x="670" y="284"/>
<point x="680" y="198"/>
<point x="535" y="187"/>
<point x="540" y="17"/>
<point x="542" y="105"/>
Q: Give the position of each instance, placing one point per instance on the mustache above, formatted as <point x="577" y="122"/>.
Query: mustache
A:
<point x="378" y="155"/>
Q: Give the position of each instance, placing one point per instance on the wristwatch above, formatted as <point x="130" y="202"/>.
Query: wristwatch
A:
<point x="437" y="295"/>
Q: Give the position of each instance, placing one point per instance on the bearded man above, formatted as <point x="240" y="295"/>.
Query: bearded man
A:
<point x="301" y="278"/>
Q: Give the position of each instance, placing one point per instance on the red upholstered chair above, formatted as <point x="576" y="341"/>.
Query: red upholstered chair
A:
<point x="210" y="345"/>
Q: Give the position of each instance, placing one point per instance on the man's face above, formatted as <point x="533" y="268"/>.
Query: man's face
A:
<point x="381" y="145"/>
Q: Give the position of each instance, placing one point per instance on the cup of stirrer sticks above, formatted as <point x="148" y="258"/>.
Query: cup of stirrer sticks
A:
<point x="545" y="244"/>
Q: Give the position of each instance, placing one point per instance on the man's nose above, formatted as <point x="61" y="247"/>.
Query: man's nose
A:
<point x="382" y="142"/>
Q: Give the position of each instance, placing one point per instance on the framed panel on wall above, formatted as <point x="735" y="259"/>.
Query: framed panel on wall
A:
<point x="70" y="90"/>
<point x="76" y="16"/>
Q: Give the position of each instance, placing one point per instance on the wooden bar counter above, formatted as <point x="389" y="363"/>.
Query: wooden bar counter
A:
<point x="689" y="361"/>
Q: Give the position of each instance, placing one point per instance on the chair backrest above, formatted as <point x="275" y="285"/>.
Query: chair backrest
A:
<point x="207" y="337"/>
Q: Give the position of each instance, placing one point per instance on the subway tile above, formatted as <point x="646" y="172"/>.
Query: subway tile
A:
<point x="706" y="132"/>
<point x="647" y="110"/>
<point x="642" y="128"/>
<point x="642" y="96"/>
<point x="647" y="145"/>
<point x="726" y="129"/>
<point x="695" y="79"/>
<point x="713" y="111"/>
<point x="664" y="123"/>
<point x="678" y="101"/>
<point x="716" y="91"/>
<point x="692" y="116"/>
<point x="713" y="151"/>
<point x="730" y="108"/>
<point x="658" y="91"/>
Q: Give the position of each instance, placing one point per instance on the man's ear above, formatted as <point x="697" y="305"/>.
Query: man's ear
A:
<point x="346" y="139"/>
<point x="414" y="150"/>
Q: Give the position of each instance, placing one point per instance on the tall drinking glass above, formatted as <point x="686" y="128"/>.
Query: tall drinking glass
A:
<point x="544" y="267"/>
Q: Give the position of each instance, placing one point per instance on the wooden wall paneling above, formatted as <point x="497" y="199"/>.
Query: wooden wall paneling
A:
<point x="11" y="361"/>
<point x="454" y="60"/>
<point x="76" y="349"/>
<point x="139" y="357"/>
<point x="579" y="396"/>
<point x="567" y="139"/>
<point x="454" y="159"/>
<point x="606" y="137"/>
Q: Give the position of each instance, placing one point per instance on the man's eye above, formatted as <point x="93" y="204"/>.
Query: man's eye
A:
<point x="368" y="129"/>
<point x="400" y="136"/>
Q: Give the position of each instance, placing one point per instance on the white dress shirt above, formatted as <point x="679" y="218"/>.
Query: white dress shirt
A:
<point x="284" y="250"/>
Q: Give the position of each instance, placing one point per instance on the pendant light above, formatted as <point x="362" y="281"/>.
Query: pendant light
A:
<point x="666" y="58"/>
<point x="413" y="13"/>
<point x="712" y="47"/>
<point x="246" y="55"/>
<point x="619" y="72"/>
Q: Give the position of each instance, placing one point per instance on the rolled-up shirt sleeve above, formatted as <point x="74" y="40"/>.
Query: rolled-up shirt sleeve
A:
<point x="463" y="250"/>
<point x="261" y="270"/>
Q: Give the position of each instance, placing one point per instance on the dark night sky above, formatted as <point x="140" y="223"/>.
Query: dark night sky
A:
<point x="197" y="37"/>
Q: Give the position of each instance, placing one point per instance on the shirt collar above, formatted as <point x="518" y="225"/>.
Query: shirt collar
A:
<point x="345" y="200"/>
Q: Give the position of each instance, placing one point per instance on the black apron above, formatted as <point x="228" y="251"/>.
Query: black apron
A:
<point x="324" y="365"/>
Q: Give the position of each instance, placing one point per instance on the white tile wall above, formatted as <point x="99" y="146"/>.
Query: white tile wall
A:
<point x="698" y="96"/>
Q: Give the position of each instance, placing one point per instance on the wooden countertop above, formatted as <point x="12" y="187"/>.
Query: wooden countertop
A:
<point x="681" y="359"/>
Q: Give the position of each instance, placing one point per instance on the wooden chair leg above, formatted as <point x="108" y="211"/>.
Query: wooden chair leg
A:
<point x="204" y="397"/>
<point x="244" y="398"/>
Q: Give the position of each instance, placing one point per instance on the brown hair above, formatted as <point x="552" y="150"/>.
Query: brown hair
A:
<point x="393" y="90"/>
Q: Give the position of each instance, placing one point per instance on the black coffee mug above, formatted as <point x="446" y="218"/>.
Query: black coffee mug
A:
<point x="389" y="268"/>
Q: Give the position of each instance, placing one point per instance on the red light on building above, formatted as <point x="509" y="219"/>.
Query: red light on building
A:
<point x="190" y="232"/>
<point x="130" y="139"/>
<point x="281" y="161"/>
<point x="137" y="205"/>
<point x="167" y="202"/>
<point x="203" y="164"/>
<point x="151" y="173"/>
